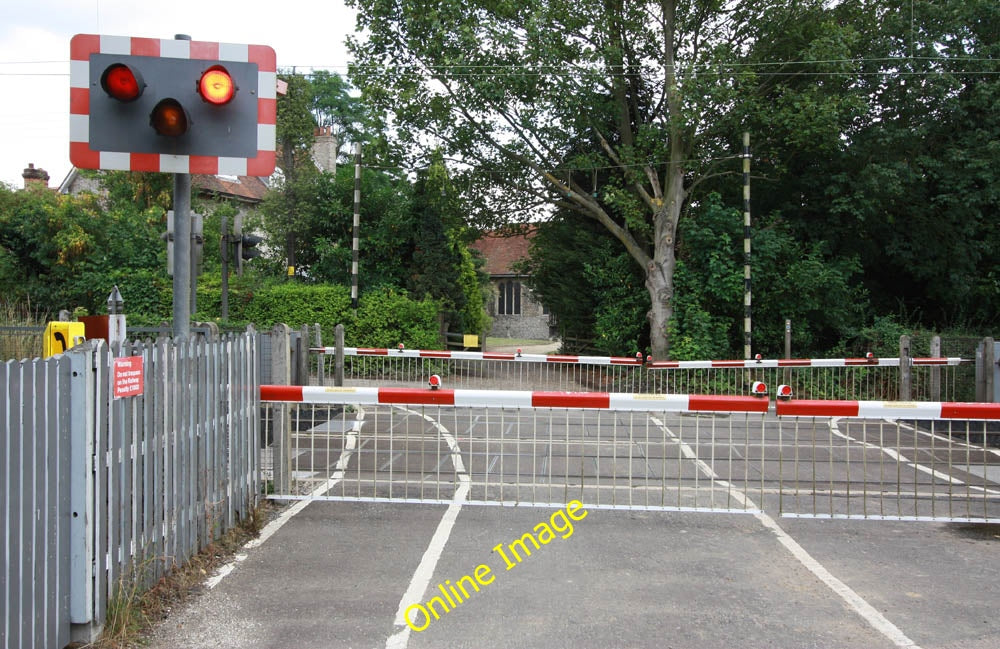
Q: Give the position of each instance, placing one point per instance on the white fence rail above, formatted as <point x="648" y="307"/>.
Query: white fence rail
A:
<point x="874" y="460"/>
<point x="840" y="378"/>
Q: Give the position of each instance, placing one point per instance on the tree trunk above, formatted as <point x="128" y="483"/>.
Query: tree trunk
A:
<point x="660" y="284"/>
<point x="660" y="269"/>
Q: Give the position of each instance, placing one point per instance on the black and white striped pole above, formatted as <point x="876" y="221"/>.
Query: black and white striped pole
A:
<point x="746" y="246"/>
<point x="357" y="226"/>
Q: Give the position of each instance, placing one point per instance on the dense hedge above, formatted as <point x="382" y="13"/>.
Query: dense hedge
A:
<point x="385" y="317"/>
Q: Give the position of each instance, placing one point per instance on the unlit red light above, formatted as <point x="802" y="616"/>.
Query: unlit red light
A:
<point x="216" y="86"/>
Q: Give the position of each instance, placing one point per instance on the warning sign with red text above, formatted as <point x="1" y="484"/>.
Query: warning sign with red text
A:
<point x="127" y="377"/>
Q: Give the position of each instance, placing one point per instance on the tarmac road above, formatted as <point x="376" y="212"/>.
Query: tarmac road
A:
<point x="341" y="575"/>
<point x="334" y="575"/>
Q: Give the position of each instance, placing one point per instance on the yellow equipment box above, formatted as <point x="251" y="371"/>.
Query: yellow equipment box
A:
<point x="60" y="336"/>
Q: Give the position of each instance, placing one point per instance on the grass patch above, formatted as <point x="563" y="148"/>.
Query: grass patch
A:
<point x="132" y="612"/>
<point x="17" y="345"/>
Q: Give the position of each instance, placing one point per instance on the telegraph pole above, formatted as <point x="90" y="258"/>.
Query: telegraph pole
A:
<point x="355" y="243"/>
<point x="746" y="247"/>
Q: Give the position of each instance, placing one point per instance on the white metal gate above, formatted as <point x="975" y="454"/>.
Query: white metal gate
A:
<point x="623" y="451"/>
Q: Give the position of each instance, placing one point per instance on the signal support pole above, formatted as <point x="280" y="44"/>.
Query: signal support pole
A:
<point x="182" y="255"/>
<point x="224" y="255"/>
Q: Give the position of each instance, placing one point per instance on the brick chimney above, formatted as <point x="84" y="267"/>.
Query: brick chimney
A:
<point x="35" y="178"/>
<point x="324" y="149"/>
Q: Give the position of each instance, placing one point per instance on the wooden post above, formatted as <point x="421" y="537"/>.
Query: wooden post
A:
<point x="935" y="370"/>
<point x="788" y="350"/>
<point x="905" y="363"/>
<point x="988" y="364"/>
<point x="338" y="358"/>
<point x="302" y="356"/>
<point x="281" y="374"/>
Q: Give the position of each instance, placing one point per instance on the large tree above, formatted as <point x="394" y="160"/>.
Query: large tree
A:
<point x="512" y="89"/>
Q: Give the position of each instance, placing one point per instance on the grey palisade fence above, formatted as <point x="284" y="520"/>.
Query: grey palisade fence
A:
<point x="100" y="493"/>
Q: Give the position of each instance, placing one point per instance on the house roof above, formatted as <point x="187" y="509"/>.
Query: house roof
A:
<point x="502" y="250"/>
<point x="248" y="189"/>
<point x="245" y="188"/>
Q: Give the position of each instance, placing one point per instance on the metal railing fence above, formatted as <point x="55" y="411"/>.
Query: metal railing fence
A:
<point x="20" y="342"/>
<point x="818" y="459"/>
<point x="863" y="378"/>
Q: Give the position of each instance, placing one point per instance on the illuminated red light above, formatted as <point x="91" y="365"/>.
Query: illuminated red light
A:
<point x="122" y="82"/>
<point x="216" y="86"/>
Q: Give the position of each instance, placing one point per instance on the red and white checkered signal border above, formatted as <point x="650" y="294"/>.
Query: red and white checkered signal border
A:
<point x="634" y="402"/>
<point x="82" y="156"/>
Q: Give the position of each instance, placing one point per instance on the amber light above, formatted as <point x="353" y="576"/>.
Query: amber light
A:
<point x="169" y="118"/>
<point x="122" y="82"/>
<point x="216" y="86"/>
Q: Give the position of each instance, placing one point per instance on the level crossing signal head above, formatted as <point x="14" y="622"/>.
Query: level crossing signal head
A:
<point x="141" y="104"/>
<point x="248" y="246"/>
<point x="759" y="389"/>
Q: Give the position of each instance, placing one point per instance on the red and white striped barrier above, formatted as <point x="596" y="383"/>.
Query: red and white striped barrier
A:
<point x="888" y="409"/>
<point x="798" y="362"/>
<point x="636" y="360"/>
<point x="481" y="356"/>
<point x="623" y="401"/>
<point x="512" y="399"/>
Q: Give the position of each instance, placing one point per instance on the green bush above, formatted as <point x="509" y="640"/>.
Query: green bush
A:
<point x="388" y="317"/>
<point x="385" y="317"/>
<point x="296" y="304"/>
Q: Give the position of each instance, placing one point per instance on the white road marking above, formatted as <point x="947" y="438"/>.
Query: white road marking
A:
<point x="350" y="445"/>
<point x="867" y="612"/>
<point x="425" y="570"/>
<point x="902" y="459"/>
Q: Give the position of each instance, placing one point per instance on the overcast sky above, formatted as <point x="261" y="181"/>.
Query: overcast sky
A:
<point x="34" y="56"/>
